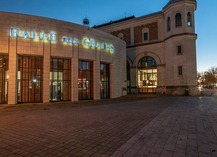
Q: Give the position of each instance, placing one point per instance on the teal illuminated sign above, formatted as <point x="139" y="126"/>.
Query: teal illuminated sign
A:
<point x="91" y="43"/>
<point x="68" y="40"/>
<point x="52" y="36"/>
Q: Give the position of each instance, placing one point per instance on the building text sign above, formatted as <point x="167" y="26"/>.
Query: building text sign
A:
<point x="52" y="37"/>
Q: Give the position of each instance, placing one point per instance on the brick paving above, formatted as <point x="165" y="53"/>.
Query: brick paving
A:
<point x="187" y="128"/>
<point x="158" y="127"/>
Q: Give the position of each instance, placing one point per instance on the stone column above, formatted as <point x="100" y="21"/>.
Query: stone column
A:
<point x="46" y="71"/>
<point x="12" y="83"/>
<point x="112" y="92"/>
<point x="74" y="74"/>
<point x="96" y="77"/>
<point x="134" y="81"/>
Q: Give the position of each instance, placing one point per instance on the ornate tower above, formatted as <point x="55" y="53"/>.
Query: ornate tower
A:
<point x="180" y="46"/>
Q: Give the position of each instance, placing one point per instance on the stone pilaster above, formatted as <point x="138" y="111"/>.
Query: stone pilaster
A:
<point x="12" y="87"/>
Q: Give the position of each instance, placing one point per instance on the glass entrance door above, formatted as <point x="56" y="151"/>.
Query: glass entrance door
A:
<point x="85" y="80"/>
<point x="104" y="81"/>
<point x="147" y="80"/>
<point x="60" y="79"/>
<point x="147" y="75"/>
<point x="56" y="91"/>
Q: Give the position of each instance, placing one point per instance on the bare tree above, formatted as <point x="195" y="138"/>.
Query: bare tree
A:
<point x="210" y="77"/>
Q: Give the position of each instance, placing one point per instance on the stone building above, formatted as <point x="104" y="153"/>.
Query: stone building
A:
<point x="43" y="60"/>
<point x="161" y="49"/>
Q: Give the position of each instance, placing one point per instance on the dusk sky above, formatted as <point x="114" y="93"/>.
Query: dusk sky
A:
<point x="99" y="12"/>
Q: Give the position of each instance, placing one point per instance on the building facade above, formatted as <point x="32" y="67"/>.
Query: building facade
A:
<point x="43" y="60"/>
<point x="161" y="49"/>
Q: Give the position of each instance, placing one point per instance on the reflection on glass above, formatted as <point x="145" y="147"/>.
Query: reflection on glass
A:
<point x="3" y="79"/>
<point x="85" y="80"/>
<point x="60" y="79"/>
<point x="104" y="81"/>
<point x="29" y="79"/>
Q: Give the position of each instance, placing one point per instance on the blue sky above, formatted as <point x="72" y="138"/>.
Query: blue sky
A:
<point x="99" y="11"/>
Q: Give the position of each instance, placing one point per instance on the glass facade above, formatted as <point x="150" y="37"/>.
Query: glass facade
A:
<point x="30" y="79"/>
<point x="104" y="81"/>
<point x="60" y="79"/>
<point x="3" y="79"/>
<point x="85" y="80"/>
<point x="147" y="75"/>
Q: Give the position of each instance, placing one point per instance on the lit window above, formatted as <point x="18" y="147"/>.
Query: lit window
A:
<point x="178" y="20"/>
<point x="147" y="75"/>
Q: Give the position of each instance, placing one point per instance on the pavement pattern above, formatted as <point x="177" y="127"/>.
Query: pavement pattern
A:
<point x="157" y="127"/>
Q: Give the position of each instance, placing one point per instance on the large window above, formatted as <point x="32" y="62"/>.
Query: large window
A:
<point x="85" y="80"/>
<point x="30" y="79"/>
<point x="147" y="75"/>
<point x="60" y="79"/>
<point x="3" y="79"/>
<point x="104" y="81"/>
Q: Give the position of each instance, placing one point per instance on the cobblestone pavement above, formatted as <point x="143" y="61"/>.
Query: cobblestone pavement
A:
<point x="158" y="127"/>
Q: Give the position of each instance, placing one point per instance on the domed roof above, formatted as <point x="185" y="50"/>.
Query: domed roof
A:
<point x="174" y="1"/>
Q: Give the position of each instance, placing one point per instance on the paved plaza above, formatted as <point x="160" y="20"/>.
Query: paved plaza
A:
<point x="156" y="127"/>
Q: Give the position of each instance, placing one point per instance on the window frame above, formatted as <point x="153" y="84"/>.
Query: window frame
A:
<point x="145" y="34"/>
<point x="189" y="19"/>
<point x="179" y="50"/>
<point x="145" y="31"/>
<point x="168" y="24"/>
<point x="180" y="71"/>
<point x="178" y="20"/>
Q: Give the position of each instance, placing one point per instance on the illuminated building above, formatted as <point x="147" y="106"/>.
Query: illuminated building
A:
<point x="45" y="60"/>
<point x="161" y="49"/>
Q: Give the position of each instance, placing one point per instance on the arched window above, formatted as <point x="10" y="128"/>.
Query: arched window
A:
<point x="189" y="19"/>
<point x="147" y="75"/>
<point x="168" y="24"/>
<point x="147" y="62"/>
<point x="121" y="36"/>
<point x="178" y="20"/>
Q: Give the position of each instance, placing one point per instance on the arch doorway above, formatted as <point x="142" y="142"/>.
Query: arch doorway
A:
<point x="147" y="75"/>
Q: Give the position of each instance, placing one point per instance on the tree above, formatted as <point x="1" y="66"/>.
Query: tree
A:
<point x="210" y="77"/>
